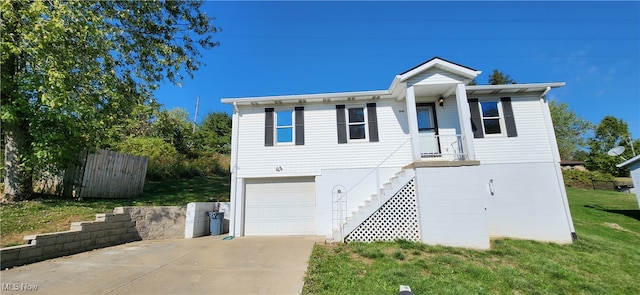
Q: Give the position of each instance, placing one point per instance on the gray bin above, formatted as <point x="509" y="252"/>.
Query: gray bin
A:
<point x="216" y="220"/>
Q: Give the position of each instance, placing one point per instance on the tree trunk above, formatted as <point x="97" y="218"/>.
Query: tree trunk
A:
<point x="18" y="180"/>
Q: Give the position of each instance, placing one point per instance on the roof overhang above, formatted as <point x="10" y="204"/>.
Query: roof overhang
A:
<point x="512" y="88"/>
<point x="629" y="162"/>
<point x="445" y="65"/>
<point x="310" y="98"/>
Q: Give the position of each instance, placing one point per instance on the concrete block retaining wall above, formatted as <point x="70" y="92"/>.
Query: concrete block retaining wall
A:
<point x="157" y="222"/>
<point x="125" y="224"/>
<point x="106" y="230"/>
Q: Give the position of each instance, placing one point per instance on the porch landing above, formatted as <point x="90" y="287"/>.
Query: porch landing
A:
<point x="423" y="164"/>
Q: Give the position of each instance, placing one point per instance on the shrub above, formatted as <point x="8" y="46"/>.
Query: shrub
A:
<point x="584" y="179"/>
<point x="166" y="163"/>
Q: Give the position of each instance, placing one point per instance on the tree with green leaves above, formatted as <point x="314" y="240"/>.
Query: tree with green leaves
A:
<point x="609" y="133"/>
<point x="214" y="133"/>
<point x="570" y="131"/>
<point x="174" y="127"/>
<point x="499" y="78"/>
<point x="70" y="70"/>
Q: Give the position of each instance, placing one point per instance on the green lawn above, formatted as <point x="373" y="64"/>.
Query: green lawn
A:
<point x="56" y="214"/>
<point x="605" y="260"/>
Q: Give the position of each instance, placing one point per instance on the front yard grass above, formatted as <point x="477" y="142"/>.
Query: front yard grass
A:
<point x="52" y="214"/>
<point x="605" y="259"/>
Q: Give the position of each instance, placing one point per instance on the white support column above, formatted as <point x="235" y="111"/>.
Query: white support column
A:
<point x="412" y="116"/>
<point x="464" y="116"/>
<point x="233" y="196"/>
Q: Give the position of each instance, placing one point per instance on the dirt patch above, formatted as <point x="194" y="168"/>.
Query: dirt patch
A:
<point x="614" y="226"/>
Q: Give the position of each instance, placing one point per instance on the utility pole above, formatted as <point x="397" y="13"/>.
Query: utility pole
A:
<point x="195" y="117"/>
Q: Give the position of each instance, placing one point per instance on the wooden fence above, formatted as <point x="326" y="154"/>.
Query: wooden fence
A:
<point x="103" y="174"/>
<point x="106" y="174"/>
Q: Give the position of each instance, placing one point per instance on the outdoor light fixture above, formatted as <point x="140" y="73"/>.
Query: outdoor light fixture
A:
<point x="441" y="101"/>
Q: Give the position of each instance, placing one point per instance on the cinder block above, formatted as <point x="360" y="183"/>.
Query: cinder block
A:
<point x="94" y="226"/>
<point x="128" y="224"/>
<point x="132" y="230"/>
<point x="84" y="236"/>
<point x="80" y="225"/>
<point x="71" y="246"/>
<point x="8" y="254"/>
<point x="115" y="240"/>
<point x="98" y="234"/>
<point x="50" y="251"/>
<point x="44" y="241"/>
<point x="118" y="210"/>
<point x="102" y="241"/>
<point x="87" y="244"/>
<point x="128" y="237"/>
<point x="29" y="252"/>
<point x="115" y="225"/>
<point x="66" y="237"/>
<point x="121" y="217"/>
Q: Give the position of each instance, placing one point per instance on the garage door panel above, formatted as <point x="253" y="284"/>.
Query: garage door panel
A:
<point x="280" y="206"/>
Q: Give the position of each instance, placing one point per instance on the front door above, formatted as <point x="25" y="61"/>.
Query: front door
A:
<point x="427" y="130"/>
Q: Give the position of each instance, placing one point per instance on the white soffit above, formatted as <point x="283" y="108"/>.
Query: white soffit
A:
<point x="511" y="88"/>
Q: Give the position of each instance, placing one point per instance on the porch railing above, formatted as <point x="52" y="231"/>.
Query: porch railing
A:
<point x="451" y="148"/>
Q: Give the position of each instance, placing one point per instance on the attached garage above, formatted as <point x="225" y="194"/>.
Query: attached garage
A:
<point x="280" y="206"/>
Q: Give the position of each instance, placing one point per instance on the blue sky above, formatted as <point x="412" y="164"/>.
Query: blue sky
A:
<point x="283" y="48"/>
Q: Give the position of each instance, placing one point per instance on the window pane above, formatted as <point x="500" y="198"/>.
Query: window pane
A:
<point x="425" y="122"/>
<point x="491" y="126"/>
<point x="356" y="115"/>
<point x="285" y="118"/>
<point x="489" y="109"/>
<point x="285" y="134"/>
<point x="356" y="131"/>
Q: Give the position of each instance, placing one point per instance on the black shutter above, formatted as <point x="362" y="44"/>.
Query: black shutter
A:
<point x="509" y="120"/>
<point x="342" y="124"/>
<point x="476" y="121"/>
<point x="299" y="125"/>
<point x="372" y="118"/>
<point x="268" y="127"/>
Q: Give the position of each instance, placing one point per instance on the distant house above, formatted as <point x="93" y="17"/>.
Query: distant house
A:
<point x="572" y="165"/>
<point x="634" y="166"/>
<point x="429" y="159"/>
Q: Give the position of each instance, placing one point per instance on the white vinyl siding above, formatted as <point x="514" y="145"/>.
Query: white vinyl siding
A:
<point x="434" y="76"/>
<point x="532" y="143"/>
<point x="280" y="206"/>
<point x="321" y="150"/>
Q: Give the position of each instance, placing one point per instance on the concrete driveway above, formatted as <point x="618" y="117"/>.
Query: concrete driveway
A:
<point x="206" y="265"/>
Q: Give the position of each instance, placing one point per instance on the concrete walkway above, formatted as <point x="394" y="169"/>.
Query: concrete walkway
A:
<point x="206" y="265"/>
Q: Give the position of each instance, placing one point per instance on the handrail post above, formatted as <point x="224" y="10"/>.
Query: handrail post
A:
<point x="378" y="183"/>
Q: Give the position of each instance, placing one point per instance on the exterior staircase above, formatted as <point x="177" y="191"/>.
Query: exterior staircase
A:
<point x="371" y="205"/>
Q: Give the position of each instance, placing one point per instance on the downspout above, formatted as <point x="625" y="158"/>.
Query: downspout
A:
<point x="234" y="166"/>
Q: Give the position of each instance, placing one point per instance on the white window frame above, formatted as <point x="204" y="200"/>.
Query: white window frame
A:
<point x="276" y="126"/>
<point x="349" y="123"/>
<point x="500" y="117"/>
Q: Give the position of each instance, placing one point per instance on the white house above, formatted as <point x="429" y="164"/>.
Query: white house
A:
<point x="634" y="166"/>
<point x="430" y="159"/>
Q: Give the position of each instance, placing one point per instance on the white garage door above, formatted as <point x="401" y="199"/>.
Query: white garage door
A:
<point x="280" y="206"/>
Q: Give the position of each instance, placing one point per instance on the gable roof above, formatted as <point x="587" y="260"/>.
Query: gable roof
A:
<point x="437" y="62"/>
<point x="394" y="91"/>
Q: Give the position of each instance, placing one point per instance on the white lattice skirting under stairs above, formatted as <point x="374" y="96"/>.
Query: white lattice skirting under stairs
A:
<point x="395" y="219"/>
